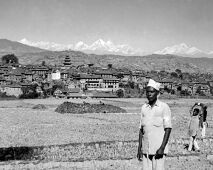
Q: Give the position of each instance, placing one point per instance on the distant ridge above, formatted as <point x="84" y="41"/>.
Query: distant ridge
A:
<point x="8" y="46"/>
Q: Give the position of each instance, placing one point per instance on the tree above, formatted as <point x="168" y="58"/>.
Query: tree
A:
<point x="120" y="93"/>
<point x="9" y="58"/>
<point x="120" y="75"/>
<point x="43" y="63"/>
<point x="109" y="66"/>
<point x="167" y="89"/>
<point x="178" y="71"/>
<point x="29" y="92"/>
<point x="174" y="74"/>
<point x="131" y="84"/>
<point x="57" y="85"/>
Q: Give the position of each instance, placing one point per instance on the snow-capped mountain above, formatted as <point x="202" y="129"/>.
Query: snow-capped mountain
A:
<point x="81" y="46"/>
<point x="46" y="45"/>
<point x="108" y="47"/>
<point x="99" y="46"/>
<point x="181" y="49"/>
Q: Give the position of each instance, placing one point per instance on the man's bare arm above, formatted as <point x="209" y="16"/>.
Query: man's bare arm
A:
<point x="139" y="154"/>
<point x="160" y="151"/>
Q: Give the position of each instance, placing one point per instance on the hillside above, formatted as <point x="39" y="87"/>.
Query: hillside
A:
<point x="149" y="62"/>
<point x="7" y="46"/>
<point x="33" y="55"/>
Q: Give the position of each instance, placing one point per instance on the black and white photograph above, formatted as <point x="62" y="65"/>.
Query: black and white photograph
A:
<point x="106" y="84"/>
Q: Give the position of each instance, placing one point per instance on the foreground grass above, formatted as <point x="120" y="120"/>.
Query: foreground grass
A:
<point x="23" y="126"/>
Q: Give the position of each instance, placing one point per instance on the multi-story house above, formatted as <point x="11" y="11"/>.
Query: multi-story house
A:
<point x="110" y="84"/>
<point x="89" y="81"/>
<point x="40" y="70"/>
<point x="64" y="74"/>
<point x="167" y="83"/>
<point x="202" y="87"/>
<point x="13" y="90"/>
<point x="2" y="81"/>
<point x="187" y="86"/>
<point x="105" y="73"/>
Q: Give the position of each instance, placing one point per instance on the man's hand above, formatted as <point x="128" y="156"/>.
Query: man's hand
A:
<point x="159" y="153"/>
<point x="139" y="154"/>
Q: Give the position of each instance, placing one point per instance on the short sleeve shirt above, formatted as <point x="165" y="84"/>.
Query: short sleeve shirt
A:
<point x="154" y="120"/>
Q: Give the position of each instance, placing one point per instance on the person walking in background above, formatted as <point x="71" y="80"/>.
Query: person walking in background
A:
<point x="193" y="129"/>
<point x="202" y="117"/>
<point x="155" y="129"/>
<point x="203" y="132"/>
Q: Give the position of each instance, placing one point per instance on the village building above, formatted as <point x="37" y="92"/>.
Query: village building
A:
<point x="187" y="86"/>
<point x="28" y="76"/>
<point x="167" y="83"/>
<point x="201" y="87"/>
<point x="64" y="74"/>
<point x="40" y="70"/>
<point x="90" y="82"/>
<point x="56" y="75"/>
<point x="110" y="84"/>
<point x="58" y="93"/>
<point x="105" y="73"/>
<point x="135" y="77"/>
<point x="12" y="90"/>
<point x="2" y="81"/>
<point x="75" y="93"/>
<point x="73" y="84"/>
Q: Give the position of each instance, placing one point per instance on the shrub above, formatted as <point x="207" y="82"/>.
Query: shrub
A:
<point x="78" y="108"/>
<point x="120" y="93"/>
<point x="4" y="96"/>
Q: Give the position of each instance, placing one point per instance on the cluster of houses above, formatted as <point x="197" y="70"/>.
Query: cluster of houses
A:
<point x="87" y="80"/>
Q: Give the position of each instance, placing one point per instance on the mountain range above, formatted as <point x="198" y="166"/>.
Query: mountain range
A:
<point x="108" y="47"/>
<point x="97" y="47"/>
<point x="169" y="62"/>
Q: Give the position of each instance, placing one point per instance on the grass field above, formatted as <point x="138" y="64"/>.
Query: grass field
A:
<point x="20" y="125"/>
<point x="23" y="126"/>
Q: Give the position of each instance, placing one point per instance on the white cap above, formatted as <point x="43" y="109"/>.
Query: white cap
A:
<point x="154" y="84"/>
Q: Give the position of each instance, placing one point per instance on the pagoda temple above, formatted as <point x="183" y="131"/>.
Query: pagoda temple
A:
<point x="67" y="61"/>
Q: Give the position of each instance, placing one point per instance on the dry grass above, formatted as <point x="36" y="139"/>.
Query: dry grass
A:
<point x="23" y="126"/>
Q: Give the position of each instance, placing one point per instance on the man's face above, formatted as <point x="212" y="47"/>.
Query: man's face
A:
<point x="195" y="113"/>
<point x="151" y="93"/>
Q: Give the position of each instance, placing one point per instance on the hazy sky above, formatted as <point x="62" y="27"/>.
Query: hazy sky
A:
<point x="145" y="24"/>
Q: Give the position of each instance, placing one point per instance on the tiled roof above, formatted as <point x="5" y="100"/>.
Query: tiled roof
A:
<point x="89" y="76"/>
<point x="74" y="90"/>
<point x="14" y="86"/>
<point x="166" y="81"/>
<point x="110" y="79"/>
<point x="106" y="72"/>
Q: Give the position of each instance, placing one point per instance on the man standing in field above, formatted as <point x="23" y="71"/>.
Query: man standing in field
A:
<point x="155" y="129"/>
